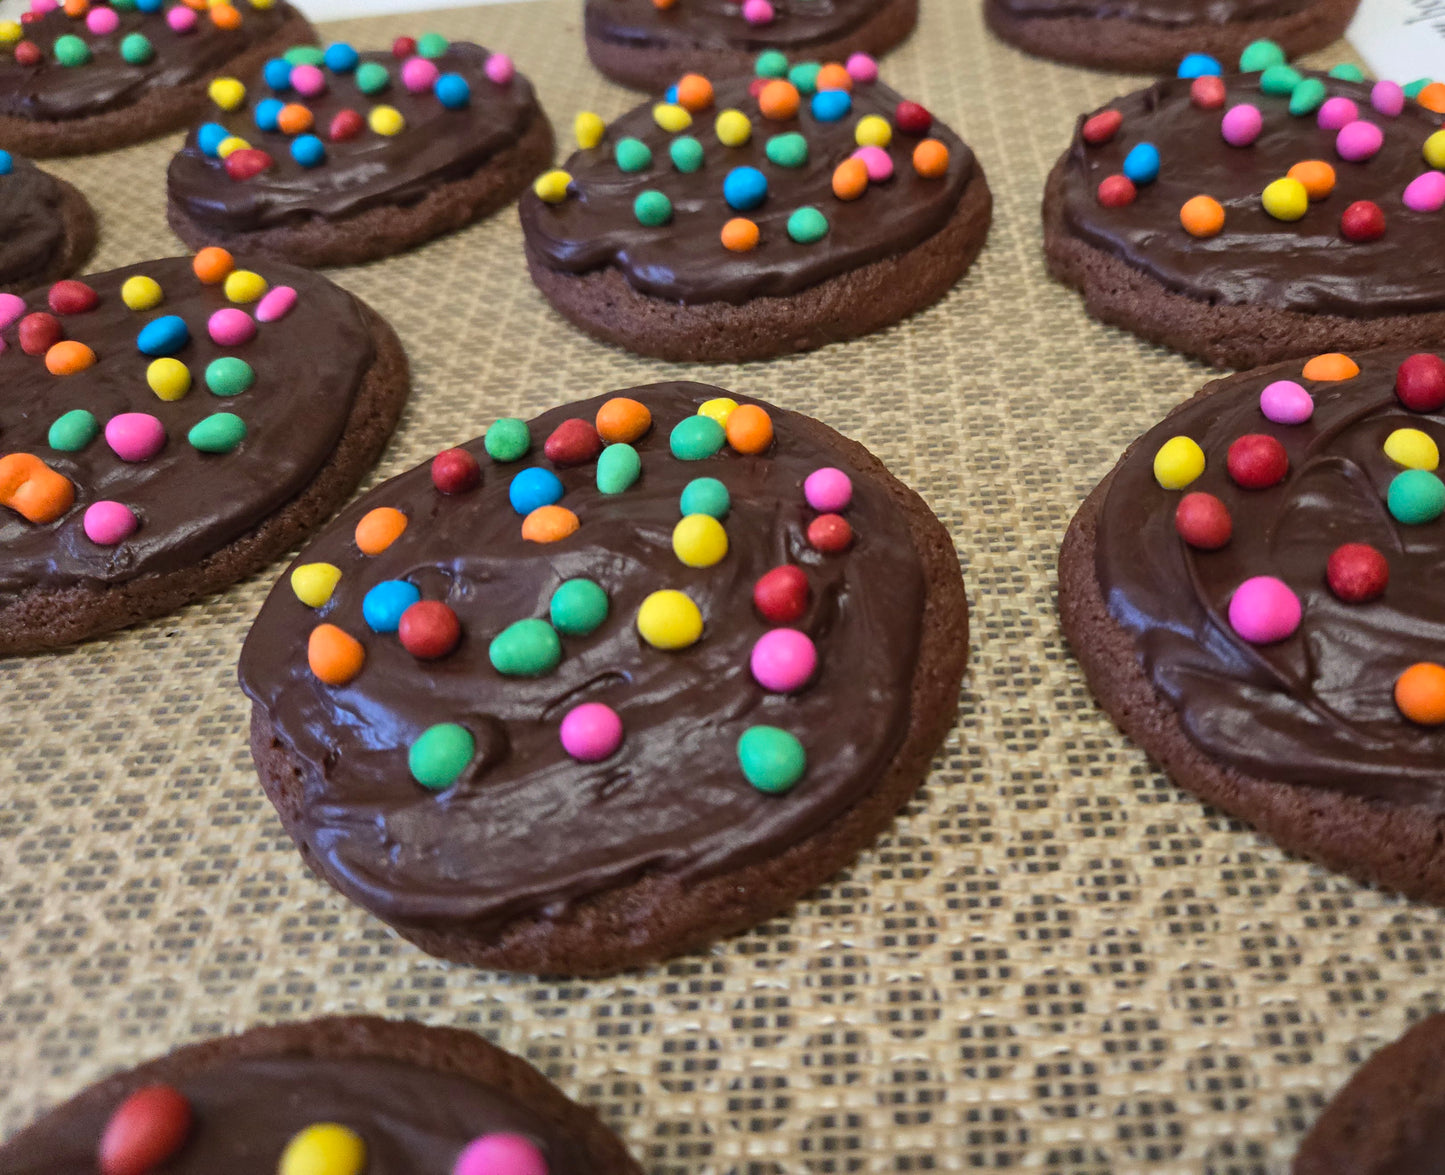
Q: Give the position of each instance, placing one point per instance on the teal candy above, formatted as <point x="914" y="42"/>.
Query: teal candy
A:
<point x="71" y="50"/>
<point x="579" y="607"/>
<point x="772" y="760"/>
<point x="73" y="431"/>
<point x="1416" y="497"/>
<point x="431" y="45"/>
<point x="632" y="154"/>
<point x="705" y="495"/>
<point x="772" y="64"/>
<point x="652" y="208"/>
<point x="304" y="55"/>
<point x="1347" y="72"/>
<point x="1259" y="56"/>
<point x="372" y="77"/>
<point x="1412" y="89"/>
<point x="509" y="439"/>
<point x="805" y="76"/>
<point x="1307" y="97"/>
<point x="686" y="153"/>
<point x="440" y="755"/>
<point x="790" y="150"/>
<point x="618" y="467"/>
<point x="218" y="433"/>
<point x="696" y="438"/>
<point x="807" y="225"/>
<point x="136" y="49"/>
<point x="528" y="648"/>
<point x="229" y="376"/>
<point x="1279" y="79"/>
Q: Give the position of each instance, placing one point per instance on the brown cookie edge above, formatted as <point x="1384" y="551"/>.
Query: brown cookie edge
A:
<point x="78" y="232"/>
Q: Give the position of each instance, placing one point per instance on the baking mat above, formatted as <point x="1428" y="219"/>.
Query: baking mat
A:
<point x="1055" y="962"/>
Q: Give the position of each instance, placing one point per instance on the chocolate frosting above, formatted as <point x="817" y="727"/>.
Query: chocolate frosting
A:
<point x="1304" y="266"/>
<point x="1317" y="708"/>
<point x="49" y="91"/>
<point x="247" y="1109"/>
<point x="719" y="24"/>
<point x="308" y="368"/>
<point x="526" y="829"/>
<point x="685" y="260"/>
<point x="1168" y="13"/>
<point x="33" y="229"/>
<point x="437" y="145"/>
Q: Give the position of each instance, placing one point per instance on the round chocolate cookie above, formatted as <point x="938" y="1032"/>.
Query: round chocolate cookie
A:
<point x="121" y="72"/>
<point x="340" y="1094"/>
<point x="48" y="226"/>
<point x="749" y="222"/>
<point x="1253" y="595"/>
<point x="550" y="706"/>
<point x="340" y="157"/>
<point x="169" y="428"/>
<point x="646" y="44"/>
<point x="1247" y="219"/>
<point x="1389" y="1119"/>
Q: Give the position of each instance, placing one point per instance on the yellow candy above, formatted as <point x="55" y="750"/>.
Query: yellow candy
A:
<point x="669" y="620"/>
<point x="323" y="1149"/>
<point x="1413" y="449"/>
<point x="386" y="120"/>
<point x="1286" y="199"/>
<point x="313" y="583"/>
<point x="244" y="286"/>
<point x="10" y="32"/>
<point x="719" y="409"/>
<point x="589" y="129"/>
<point x="1434" y="150"/>
<point x="141" y="292"/>
<point x="1178" y="462"/>
<point x="699" y="540"/>
<point x="170" y="379"/>
<point x="551" y="186"/>
<point x="231" y="144"/>
<point x="671" y="117"/>
<point x="227" y="93"/>
<point x="873" y="131"/>
<point x="733" y="128"/>
<point x="263" y="5"/>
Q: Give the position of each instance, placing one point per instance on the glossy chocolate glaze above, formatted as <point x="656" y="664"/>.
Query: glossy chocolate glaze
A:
<point x="719" y="24"/>
<point x="1167" y="13"/>
<point x="30" y="213"/>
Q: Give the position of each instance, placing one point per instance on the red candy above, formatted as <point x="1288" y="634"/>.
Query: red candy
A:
<point x="146" y="1129"/>
<point x="27" y="52"/>
<point x="755" y="87"/>
<point x="1207" y="92"/>
<point x="1257" y="462"/>
<point x="428" y="630"/>
<point x="403" y="47"/>
<point x="912" y="119"/>
<point x="39" y="332"/>
<point x="1117" y="191"/>
<point x="455" y="471"/>
<point x="1362" y="221"/>
<point x="1357" y="573"/>
<point x="72" y="297"/>
<point x="247" y="162"/>
<point x="1420" y="383"/>
<point x="830" y="533"/>
<point x="573" y="442"/>
<point x="346" y="124"/>
<point x="1203" y="521"/>
<point x="781" y="595"/>
<point x="1102" y="127"/>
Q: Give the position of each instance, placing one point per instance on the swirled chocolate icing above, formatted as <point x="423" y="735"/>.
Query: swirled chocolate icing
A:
<point x="1167" y="13"/>
<point x="50" y="91"/>
<point x="437" y="145"/>
<point x="526" y="829"/>
<point x="308" y="369"/>
<point x="685" y="260"/>
<point x="719" y="24"/>
<point x="1305" y="265"/>
<point x="1317" y="708"/>
<point x="30" y="211"/>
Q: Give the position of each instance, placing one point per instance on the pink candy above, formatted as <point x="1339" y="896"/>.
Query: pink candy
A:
<point x="878" y="162"/>
<point x="1426" y="193"/>
<point x="418" y="74"/>
<point x="1387" y="98"/>
<point x="276" y="304"/>
<point x="1263" y="610"/>
<point x="12" y="306"/>
<point x="231" y="327"/>
<point x="102" y="21"/>
<point x="308" y="80"/>
<point x="500" y="69"/>
<point x="757" y="12"/>
<point x="500" y="1154"/>
<point x="1336" y="113"/>
<point x="107" y="523"/>
<point x="1285" y="402"/>
<point x="1241" y="125"/>
<point x="862" y="68"/>
<point x="1358" y="141"/>
<point x="135" y="436"/>
<point x="40" y="7"/>
<point x="784" y="660"/>
<point x="181" y="19"/>
<point x="828" y="490"/>
<point x="590" y="732"/>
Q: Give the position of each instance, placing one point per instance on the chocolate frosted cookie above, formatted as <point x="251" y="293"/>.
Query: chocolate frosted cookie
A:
<point x="646" y="44"/>
<point x="345" y="1095"/>
<point x="599" y="689"/>
<point x="170" y="427"/>
<point x="1247" y="219"/>
<point x="47" y="228"/>
<point x="117" y="73"/>
<point x="340" y="157"/>
<point x="1253" y="593"/>
<point x="800" y="208"/>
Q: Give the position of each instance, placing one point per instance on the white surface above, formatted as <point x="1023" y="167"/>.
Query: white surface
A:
<point x="1401" y="39"/>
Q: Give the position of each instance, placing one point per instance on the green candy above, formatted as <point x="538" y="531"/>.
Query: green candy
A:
<point x="705" y="495"/>
<point x="440" y="755"/>
<point x="509" y="439"/>
<point x="1416" y="497"/>
<point x="124" y="5"/>
<point x="632" y="154"/>
<point x="71" y="50"/>
<point x="229" y="376"/>
<point x="652" y="208"/>
<point x="1346" y="72"/>
<point x="1412" y="90"/>
<point x="1307" y="97"/>
<point x="579" y="607"/>
<point x="73" y="431"/>
<point x="528" y="648"/>
<point x="304" y="55"/>
<point x="136" y="49"/>
<point x="1259" y="56"/>
<point x="372" y="77"/>
<point x="686" y="153"/>
<point x="220" y="432"/>
<point x="618" y="467"/>
<point x="790" y="150"/>
<point x="807" y="225"/>
<point x="805" y="77"/>
<point x="772" y="64"/>
<point x="432" y="45"/>
<point x="696" y="437"/>
<point x="1279" y="79"/>
<point x="771" y="759"/>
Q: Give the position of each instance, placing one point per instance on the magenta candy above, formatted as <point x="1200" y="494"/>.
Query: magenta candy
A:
<point x="107" y="523"/>
<point x="784" y="660"/>
<point x="135" y="436"/>
<point x="1285" y="402"/>
<point x="500" y="69"/>
<point x="591" y="732"/>
<point x="1426" y="193"/>
<point x="758" y="12"/>
<point x="40" y="7"/>
<point x="276" y="304"/>
<point x="1241" y="125"/>
<point x="828" y="490"/>
<point x="1336" y="113"/>
<point x="231" y="327"/>
<point x="500" y="1154"/>
<point x="1263" y="610"/>
<point x="308" y="80"/>
<point x="419" y="74"/>
<point x="181" y="19"/>
<point x="102" y="21"/>
<point x="878" y="162"/>
<point x="1358" y="141"/>
<point x="861" y="68"/>
<point x="1387" y="98"/>
<point x="12" y="306"/>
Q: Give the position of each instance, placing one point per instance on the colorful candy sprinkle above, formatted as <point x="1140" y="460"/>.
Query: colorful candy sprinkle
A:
<point x="549" y="524"/>
<point x="699" y="540"/>
<point x="1286" y="402"/>
<point x="1420" y="693"/>
<point x="509" y="439"/>
<point x="781" y="595"/>
<point x="772" y="760"/>
<point x="591" y="732"/>
<point x="313" y="583"/>
<point x="1357" y="573"/>
<point x="1416" y="497"/>
<point x="669" y="620"/>
<point x="1420" y="383"/>
<point x="145" y="1131"/>
<point x="72" y="431"/>
<point x="1412" y="449"/>
<point x="1286" y="199"/>
<point x="378" y="529"/>
<point x="1202" y="216"/>
<point x="783" y="660"/>
<point x="429" y="630"/>
<point x="32" y="489"/>
<point x="528" y="648"/>
<point x="1178" y="462"/>
<point x="621" y="420"/>
<point x="1263" y="610"/>
<point x="1203" y="521"/>
<point x="502" y="1154"/>
<point x="618" y="468"/>
<point x="578" y="607"/>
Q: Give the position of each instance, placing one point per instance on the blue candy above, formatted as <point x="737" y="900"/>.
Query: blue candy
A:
<point x="1200" y="65"/>
<point x="7" y="164"/>
<point x="308" y="151"/>
<point x="1142" y="163"/>
<point x="533" y="488"/>
<point x="149" y="5"/>
<point x="268" y="113"/>
<point x="210" y="137"/>
<point x="278" y="74"/>
<point x="163" y="336"/>
<point x="383" y="605"/>
<point x="670" y="95"/>
<point x="340" y="57"/>
<point x="452" y="91"/>
<point x="745" y="188"/>
<point x="831" y="105"/>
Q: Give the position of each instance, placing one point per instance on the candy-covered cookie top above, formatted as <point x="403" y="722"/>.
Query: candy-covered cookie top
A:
<point x="727" y="24"/>
<point x="30" y="211"/>
<point x="1165" y="13"/>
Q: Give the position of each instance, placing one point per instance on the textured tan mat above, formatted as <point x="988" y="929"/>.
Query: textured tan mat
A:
<point x="1057" y="962"/>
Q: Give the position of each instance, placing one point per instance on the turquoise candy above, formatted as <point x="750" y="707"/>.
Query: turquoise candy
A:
<point x="805" y="76"/>
<point x="632" y="155"/>
<point x="1307" y="97"/>
<point x="218" y="433"/>
<point x="528" y="648"/>
<point x="1347" y="72"/>
<point x="618" y="467"/>
<point x="431" y="45"/>
<point x="304" y="55"/>
<point x="440" y="755"/>
<point x="1412" y="89"/>
<point x="652" y="208"/>
<point x="772" y="64"/>
<point x="771" y="759"/>
<point x="509" y="439"/>
<point x="73" y="431"/>
<point x="1416" y="497"/>
<point x="807" y="225"/>
<point x="686" y="153"/>
<point x="136" y="49"/>
<point x="579" y="607"/>
<point x="71" y="50"/>
<point x="696" y="438"/>
<point x="790" y="150"/>
<point x="1279" y="79"/>
<point x="229" y="376"/>
<point x="371" y="77"/>
<point x="705" y="495"/>
<point x="1259" y="56"/>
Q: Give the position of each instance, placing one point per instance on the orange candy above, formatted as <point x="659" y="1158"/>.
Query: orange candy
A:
<point x="547" y="524"/>
<point x="740" y="235"/>
<point x="1420" y="694"/>
<point x="749" y="429"/>
<point x="76" y="7"/>
<point x="32" y="489"/>
<point x="778" y="100"/>
<point x="1331" y="367"/>
<point x="294" y="118"/>
<point x="930" y="158"/>
<point x="378" y="529"/>
<point x="67" y="357"/>
<point x="622" y="421"/>
<point x="694" y="92"/>
<point x="1432" y="97"/>
<point x="1202" y="216"/>
<point x="334" y="656"/>
<point x="212" y="264"/>
<point x="1317" y="176"/>
<point x="834" y="77"/>
<point x="663" y="5"/>
<point x="225" y="16"/>
<point x="850" y="179"/>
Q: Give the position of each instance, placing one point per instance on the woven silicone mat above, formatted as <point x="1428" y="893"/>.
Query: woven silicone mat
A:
<point x="1055" y="962"/>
